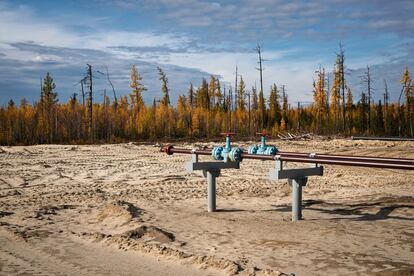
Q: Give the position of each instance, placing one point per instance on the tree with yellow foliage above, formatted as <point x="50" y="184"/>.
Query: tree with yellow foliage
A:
<point x="335" y="99"/>
<point x="349" y="108"/>
<point x="48" y="121"/>
<point x="319" y="98"/>
<point x="409" y="99"/>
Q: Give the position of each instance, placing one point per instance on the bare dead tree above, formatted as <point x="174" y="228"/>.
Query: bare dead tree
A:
<point x="250" y="129"/>
<point x="341" y="56"/>
<point x="298" y="117"/>
<point x="82" y="82"/>
<point x="83" y="91"/>
<point x="386" y="94"/>
<point x="90" y="100"/>
<point x="327" y="97"/>
<point x="235" y="102"/>
<point x="366" y="79"/>
<point x="225" y="106"/>
<point x="112" y="86"/>
<point x="231" y="106"/>
<point x="231" y="98"/>
<point x="258" y="49"/>
<point x="260" y="69"/>
<point x="235" y="90"/>
<point x="224" y="98"/>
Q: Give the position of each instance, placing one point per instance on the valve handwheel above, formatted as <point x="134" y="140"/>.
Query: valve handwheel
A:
<point x="263" y="133"/>
<point x="228" y="134"/>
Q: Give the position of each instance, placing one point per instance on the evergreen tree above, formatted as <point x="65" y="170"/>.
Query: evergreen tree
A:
<point x="212" y="91"/>
<point x="137" y="89"/>
<point x="203" y="100"/>
<point x="165" y="90"/>
<point x="190" y="97"/>
<point x="379" y="126"/>
<point x="241" y="104"/>
<point x="48" y="103"/>
<point x="274" y="106"/>
<point x="262" y="110"/>
<point x="255" y="104"/>
<point x="362" y="111"/>
<point x="349" y="108"/>
<point x="285" y="107"/>
<point x="219" y="96"/>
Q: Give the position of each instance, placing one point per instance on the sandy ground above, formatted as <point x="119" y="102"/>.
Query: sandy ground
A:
<point x="129" y="210"/>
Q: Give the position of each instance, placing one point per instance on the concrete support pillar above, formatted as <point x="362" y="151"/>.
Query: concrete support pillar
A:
<point x="211" y="191"/>
<point x="211" y="175"/>
<point x="297" y="184"/>
<point x="211" y="170"/>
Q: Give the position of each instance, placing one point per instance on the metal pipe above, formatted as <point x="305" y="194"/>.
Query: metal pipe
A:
<point x="331" y="161"/>
<point x="350" y="157"/>
<point x="344" y="157"/>
<point x="344" y="160"/>
<point x="382" y="138"/>
<point x="370" y="159"/>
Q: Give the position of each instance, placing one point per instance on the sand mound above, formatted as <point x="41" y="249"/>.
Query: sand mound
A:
<point x="152" y="240"/>
<point x="118" y="213"/>
<point x="149" y="233"/>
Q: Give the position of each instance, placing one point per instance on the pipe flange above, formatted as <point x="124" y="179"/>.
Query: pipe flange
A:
<point x="271" y="150"/>
<point x="252" y="149"/>
<point x="235" y="154"/>
<point x="168" y="149"/>
<point x="216" y="153"/>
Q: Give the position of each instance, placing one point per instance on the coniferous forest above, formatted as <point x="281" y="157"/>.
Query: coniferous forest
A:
<point x="206" y="111"/>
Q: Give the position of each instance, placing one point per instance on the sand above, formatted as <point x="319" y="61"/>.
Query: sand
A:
<point x="127" y="209"/>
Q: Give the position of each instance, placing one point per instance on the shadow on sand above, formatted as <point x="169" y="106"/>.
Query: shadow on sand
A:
<point x="361" y="211"/>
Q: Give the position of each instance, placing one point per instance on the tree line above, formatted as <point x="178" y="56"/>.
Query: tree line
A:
<point x="206" y="111"/>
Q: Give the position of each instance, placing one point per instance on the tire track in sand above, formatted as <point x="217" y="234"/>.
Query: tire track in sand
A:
<point x="19" y="257"/>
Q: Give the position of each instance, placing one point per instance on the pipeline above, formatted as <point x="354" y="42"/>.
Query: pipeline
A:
<point x="343" y="160"/>
<point x="350" y="157"/>
<point x="318" y="156"/>
<point x="382" y="138"/>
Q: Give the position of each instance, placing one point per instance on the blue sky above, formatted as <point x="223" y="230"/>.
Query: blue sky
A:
<point x="193" y="39"/>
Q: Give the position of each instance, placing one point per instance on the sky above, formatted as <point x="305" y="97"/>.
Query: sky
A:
<point x="193" y="39"/>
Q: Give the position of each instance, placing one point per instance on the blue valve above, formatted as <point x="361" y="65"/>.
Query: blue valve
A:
<point x="262" y="148"/>
<point x="227" y="153"/>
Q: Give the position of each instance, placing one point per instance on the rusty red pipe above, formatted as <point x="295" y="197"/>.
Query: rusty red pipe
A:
<point x="344" y="160"/>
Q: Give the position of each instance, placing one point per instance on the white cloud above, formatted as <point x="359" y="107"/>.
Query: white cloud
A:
<point x="22" y="25"/>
